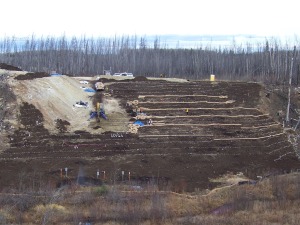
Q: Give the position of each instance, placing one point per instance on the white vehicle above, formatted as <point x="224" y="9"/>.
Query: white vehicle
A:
<point x="124" y="74"/>
<point x="81" y="104"/>
<point x="83" y="82"/>
<point x="127" y="74"/>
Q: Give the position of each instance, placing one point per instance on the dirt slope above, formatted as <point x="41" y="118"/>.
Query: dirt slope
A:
<point x="55" y="97"/>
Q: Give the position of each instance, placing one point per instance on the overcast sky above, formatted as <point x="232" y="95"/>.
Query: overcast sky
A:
<point x="149" y="17"/>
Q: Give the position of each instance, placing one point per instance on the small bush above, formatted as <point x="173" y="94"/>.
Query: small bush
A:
<point x="100" y="191"/>
<point x="50" y="213"/>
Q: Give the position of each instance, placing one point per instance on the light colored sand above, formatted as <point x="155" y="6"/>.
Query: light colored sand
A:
<point x="55" y="97"/>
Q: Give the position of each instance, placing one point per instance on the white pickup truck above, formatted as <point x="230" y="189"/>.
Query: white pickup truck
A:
<point x="124" y="74"/>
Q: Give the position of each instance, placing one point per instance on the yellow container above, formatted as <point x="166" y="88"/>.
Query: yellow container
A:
<point x="212" y="77"/>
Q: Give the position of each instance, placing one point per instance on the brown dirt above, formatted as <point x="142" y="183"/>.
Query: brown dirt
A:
<point x="140" y="78"/>
<point x="226" y="130"/>
<point x="9" y="67"/>
<point x="31" y="76"/>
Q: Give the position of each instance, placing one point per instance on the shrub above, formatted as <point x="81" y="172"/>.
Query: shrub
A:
<point x="100" y="191"/>
<point x="50" y="212"/>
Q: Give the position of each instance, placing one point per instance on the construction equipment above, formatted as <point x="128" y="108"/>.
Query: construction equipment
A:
<point x="98" y="113"/>
<point x="99" y="86"/>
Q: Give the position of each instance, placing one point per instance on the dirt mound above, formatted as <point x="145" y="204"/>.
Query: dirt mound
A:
<point x="9" y="67"/>
<point x="106" y="80"/>
<point x="140" y="78"/>
<point x="55" y="98"/>
<point x="31" y="76"/>
<point x="61" y="125"/>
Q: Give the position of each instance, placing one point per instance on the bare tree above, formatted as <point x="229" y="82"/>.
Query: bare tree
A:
<point x="268" y="61"/>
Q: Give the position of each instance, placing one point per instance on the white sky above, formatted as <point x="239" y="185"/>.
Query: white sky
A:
<point x="149" y="17"/>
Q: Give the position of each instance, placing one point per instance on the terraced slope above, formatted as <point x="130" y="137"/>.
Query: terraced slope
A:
<point x="224" y="131"/>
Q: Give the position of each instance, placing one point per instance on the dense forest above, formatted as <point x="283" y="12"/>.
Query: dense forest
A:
<point x="270" y="61"/>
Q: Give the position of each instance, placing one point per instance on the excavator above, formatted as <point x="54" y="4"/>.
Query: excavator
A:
<point x="98" y="113"/>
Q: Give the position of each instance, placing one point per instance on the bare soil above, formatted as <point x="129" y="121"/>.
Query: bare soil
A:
<point x="231" y="127"/>
<point x="5" y="66"/>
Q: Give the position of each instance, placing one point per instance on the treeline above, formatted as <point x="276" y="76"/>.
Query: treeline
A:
<point x="269" y="61"/>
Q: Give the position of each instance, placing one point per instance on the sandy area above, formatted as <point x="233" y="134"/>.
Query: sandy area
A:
<point x="55" y="97"/>
<point x="130" y="78"/>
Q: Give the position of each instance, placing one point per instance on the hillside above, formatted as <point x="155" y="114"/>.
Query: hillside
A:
<point x="229" y="129"/>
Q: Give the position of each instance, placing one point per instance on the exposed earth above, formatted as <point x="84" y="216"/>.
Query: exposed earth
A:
<point x="231" y="127"/>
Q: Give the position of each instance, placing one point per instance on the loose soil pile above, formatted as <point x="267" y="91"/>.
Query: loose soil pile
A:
<point x="31" y="76"/>
<point x="9" y="67"/>
<point x="140" y="78"/>
<point x="55" y="97"/>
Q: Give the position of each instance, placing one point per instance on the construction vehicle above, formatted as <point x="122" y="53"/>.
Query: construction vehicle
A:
<point x="99" y="86"/>
<point x="98" y="113"/>
<point x="124" y="74"/>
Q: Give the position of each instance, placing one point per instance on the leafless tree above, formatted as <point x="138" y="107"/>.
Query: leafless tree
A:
<point x="267" y="62"/>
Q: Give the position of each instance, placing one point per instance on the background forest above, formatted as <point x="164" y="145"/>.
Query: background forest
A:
<point x="270" y="61"/>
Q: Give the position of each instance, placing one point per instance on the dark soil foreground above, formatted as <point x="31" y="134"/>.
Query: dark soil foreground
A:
<point x="226" y="130"/>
